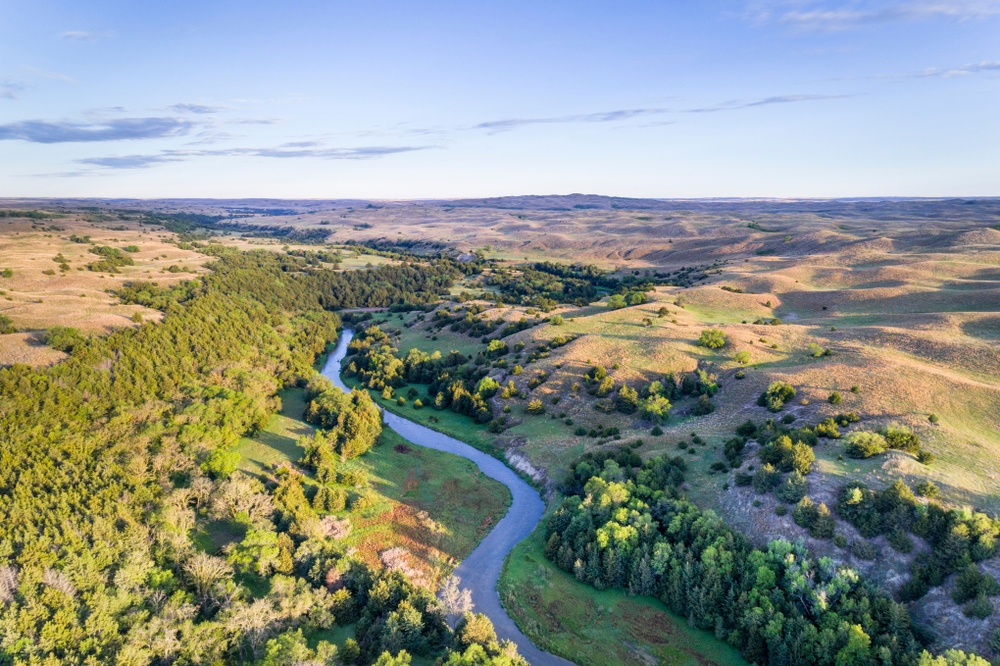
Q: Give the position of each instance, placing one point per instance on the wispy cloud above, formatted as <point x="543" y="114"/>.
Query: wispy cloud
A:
<point x="119" y="129"/>
<point x="254" y="121"/>
<point x="10" y="89"/>
<point x="984" y="67"/>
<point x="34" y="71"/>
<point x="301" y="144"/>
<point x="187" y="107"/>
<point x="767" y="101"/>
<point x="84" y="36"/>
<point x="281" y="152"/>
<point x="128" y="161"/>
<point x="810" y="15"/>
<point x="602" y="117"/>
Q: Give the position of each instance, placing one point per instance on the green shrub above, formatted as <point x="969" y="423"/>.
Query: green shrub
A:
<point x="776" y="395"/>
<point x="742" y="479"/>
<point x="703" y="407"/>
<point x="556" y="320"/>
<point x="835" y="398"/>
<point x="6" y="325"/>
<point x="925" y="457"/>
<point x="980" y="608"/>
<point x="417" y="404"/>
<point x="63" y="338"/>
<point x="793" y="488"/>
<point x="840" y="541"/>
<point x="864" y="444"/>
<point x="901" y="541"/>
<point x="972" y="583"/>
<point x="656" y="431"/>
<point x="865" y="550"/>
<point x="713" y="338"/>
<point x="933" y="418"/>
<point x="766" y="479"/>
<point x="926" y="489"/>
<point x="780" y="510"/>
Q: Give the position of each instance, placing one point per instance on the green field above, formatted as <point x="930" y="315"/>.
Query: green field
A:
<point x="599" y="627"/>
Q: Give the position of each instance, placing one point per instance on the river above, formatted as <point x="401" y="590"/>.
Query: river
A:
<point x="480" y="571"/>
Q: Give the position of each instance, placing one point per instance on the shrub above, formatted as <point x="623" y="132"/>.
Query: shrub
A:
<point x="865" y="444"/>
<point x="926" y="489"/>
<point x="972" y="583"/>
<point x="793" y="488"/>
<point x="713" y="338"/>
<point x="656" y="431"/>
<point x="925" y="457"/>
<point x="835" y="398"/>
<point x="780" y="510"/>
<point x="137" y="317"/>
<point x="417" y="404"/>
<point x="980" y="608"/>
<point x="742" y="357"/>
<point x="628" y="400"/>
<point x="742" y="480"/>
<point x="580" y="431"/>
<point x="536" y="407"/>
<point x="827" y="428"/>
<point x="933" y="418"/>
<point x="6" y="325"/>
<point x="865" y="550"/>
<point x="703" y="407"/>
<point x="766" y="479"/>
<point x="400" y="401"/>
<point x="788" y="418"/>
<point x="776" y="395"/>
<point x="900" y="438"/>
<point x="747" y="429"/>
<point x="719" y="466"/>
<point x="995" y="641"/>
<point x="804" y="513"/>
<point x="556" y="320"/>
<point x="901" y="541"/>
<point x="616" y="302"/>
<point x="840" y="541"/>
<point x="62" y="338"/>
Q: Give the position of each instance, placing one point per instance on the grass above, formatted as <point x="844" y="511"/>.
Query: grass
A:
<point x="599" y="628"/>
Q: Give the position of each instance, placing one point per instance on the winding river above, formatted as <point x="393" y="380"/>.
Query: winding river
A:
<point x="480" y="571"/>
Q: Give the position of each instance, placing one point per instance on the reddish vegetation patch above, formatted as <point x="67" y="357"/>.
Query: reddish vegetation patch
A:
<point x="656" y="629"/>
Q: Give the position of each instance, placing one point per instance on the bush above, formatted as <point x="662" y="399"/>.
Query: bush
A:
<point x="840" y="541"/>
<point x="703" y="407"/>
<point x="536" y="407"/>
<point x="742" y="480"/>
<point x="776" y="395"/>
<point x="417" y="404"/>
<point x="6" y="325"/>
<point x="835" y="398"/>
<point x="926" y="489"/>
<point x="933" y="418"/>
<point x="901" y="541"/>
<point x="656" y="431"/>
<point x="980" y="608"/>
<point x="766" y="479"/>
<point x="925" y="457"/>
<point x="972" y="583"/>
<point x="713" y="338"/>
<point x="865" y="444"/>
<point x="804" y="513"/>
<point x="780" y="510"/>
<point x="628" y="400"/>
<point x="580" y="431"/>
<point x="742" y="357"/>
<point x="137" y="317"/>
<point x="793" y="489"/>
<point x="995" y="641"/>
<point x="62" y="338"/>
<point x="556" y="320"/>
<point x="901" y="439"/>
<point x="400" y="401"/>
<point x="865" y="550"/>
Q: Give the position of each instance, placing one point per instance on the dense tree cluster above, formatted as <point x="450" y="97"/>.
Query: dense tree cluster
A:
<point x="627" y="527"/>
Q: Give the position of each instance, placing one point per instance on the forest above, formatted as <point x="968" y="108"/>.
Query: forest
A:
<point x="113" y="459"/>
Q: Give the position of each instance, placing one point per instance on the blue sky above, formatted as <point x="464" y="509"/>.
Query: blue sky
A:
<point x="776" y="98"/>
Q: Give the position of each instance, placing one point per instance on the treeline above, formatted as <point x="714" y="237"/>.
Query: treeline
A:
<point x="626" y="526"/>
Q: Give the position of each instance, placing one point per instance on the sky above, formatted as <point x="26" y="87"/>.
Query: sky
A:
<point x="403" y="100"/>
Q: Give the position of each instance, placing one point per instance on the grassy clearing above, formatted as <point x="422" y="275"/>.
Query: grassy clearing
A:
<point x="599" y="628"/>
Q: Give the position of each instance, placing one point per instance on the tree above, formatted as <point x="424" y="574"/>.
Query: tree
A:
<point x="206" y="572"/>
<point x="221" y="463"/>
<point x="616" y="302"/>
<point x="252" y="623"/>
<point x="556" y="320"/>
<point x="474" y="629"/>
<point x="628" y="400"/>
<point x="656" y="409"/>
<point x="713" y="338"/>
<point x="535" y="407"/>
<point x="455" y="600"/>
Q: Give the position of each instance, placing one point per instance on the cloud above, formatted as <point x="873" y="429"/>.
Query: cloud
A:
<point x="984" y="67"/>
<point x="43" y="131"/>
<point x="34" y="71"/>
<point x="603" y="117"/>
<point x="84" y="36"/>
<point x="254" y="121"/>
<point x="128" y="161"/>
<point x="186" y="107"/>
<point x="363" y="153"/>
<point x="767" y="101"/>
<point x="10" y="89"/>
<point x="817" y="16"/>
<point x="301" y="144"/>
<point x="146" y="161"/>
